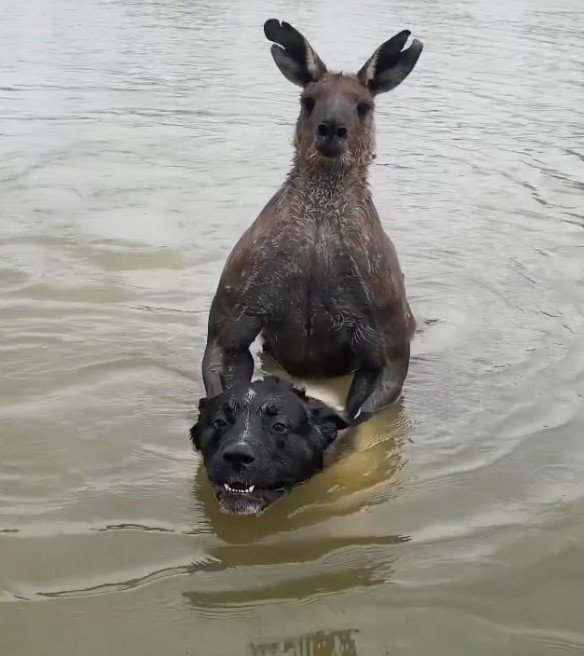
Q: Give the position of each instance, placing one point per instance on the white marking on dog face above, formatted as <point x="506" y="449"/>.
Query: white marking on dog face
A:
<point x="246" y="426"/>
<point x="249" y="397"/>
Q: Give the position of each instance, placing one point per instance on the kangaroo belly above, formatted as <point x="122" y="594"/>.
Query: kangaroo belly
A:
<point x="310" y="355"/>
<point x="312" y="302"/>
<point x="309" y="337"/>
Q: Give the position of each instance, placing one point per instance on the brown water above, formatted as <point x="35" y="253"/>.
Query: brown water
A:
<point x="138" y="140"/>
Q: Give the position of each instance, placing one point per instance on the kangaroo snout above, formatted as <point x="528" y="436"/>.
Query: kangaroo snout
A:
<point x="332" y="129"/>
<point x="331" y="135"/>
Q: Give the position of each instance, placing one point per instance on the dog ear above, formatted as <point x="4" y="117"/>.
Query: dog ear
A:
<point x="301" y="392"/>
<point x="277" y="381"/>
<point x="196" y="429"/>
<point x="326" y="419"/>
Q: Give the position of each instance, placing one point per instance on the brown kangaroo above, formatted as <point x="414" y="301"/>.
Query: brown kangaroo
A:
<point x="315" y="273"/>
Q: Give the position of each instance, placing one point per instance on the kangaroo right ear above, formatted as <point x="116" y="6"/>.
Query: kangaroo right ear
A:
<point x="292" y="53"/>
<point x="389" y="65"/>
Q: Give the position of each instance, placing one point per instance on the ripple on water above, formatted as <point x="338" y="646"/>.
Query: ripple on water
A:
<point x="138" y="141"/>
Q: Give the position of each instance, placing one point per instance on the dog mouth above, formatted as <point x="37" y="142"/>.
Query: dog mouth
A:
<point x="244" y="498"/>
<point x="238" y="488"/>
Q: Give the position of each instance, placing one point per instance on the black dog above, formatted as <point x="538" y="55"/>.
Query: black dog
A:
<point x="260" y="439"/>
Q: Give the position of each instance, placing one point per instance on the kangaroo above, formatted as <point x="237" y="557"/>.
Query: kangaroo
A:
<point x="315" y="273"/>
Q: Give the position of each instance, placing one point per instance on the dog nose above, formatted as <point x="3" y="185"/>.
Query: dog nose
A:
<point x="238" y="455"/>
<point x="332" y="128"/>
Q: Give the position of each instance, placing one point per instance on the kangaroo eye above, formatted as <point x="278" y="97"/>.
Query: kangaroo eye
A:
<point x="308" y="103"/>
<point x="279" y="427"/>
<point x="363" y="109"/>
<point x="219" y="423"/>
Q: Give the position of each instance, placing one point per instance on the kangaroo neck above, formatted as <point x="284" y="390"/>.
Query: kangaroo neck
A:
<point x="313" y="186"/>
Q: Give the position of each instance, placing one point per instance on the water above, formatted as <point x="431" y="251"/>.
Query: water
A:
<point x="138" y="140"/>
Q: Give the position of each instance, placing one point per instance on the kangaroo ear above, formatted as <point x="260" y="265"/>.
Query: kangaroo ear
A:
<point x="292" y="53"/>
<point x="390" y="65"/>
<point x="327" y="419"/>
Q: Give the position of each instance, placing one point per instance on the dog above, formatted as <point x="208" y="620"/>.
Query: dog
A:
<point x="260" y="439"/>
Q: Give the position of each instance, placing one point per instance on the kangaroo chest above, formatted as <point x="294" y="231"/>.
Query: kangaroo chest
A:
<point x="313" y="275"/>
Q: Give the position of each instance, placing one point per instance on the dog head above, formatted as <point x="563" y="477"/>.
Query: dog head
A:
<point x="260" y="439"/>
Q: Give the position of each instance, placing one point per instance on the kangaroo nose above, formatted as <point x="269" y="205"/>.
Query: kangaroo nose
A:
<point x="238" y="455"/>
<point x="331" y="128"/>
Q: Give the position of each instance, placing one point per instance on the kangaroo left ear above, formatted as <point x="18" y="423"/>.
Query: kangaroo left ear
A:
<point x="293" y="55"/>
<point x="390" y="65"/>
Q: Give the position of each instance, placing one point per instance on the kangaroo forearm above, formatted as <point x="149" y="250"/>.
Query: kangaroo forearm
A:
<point x="224" y="368"/>
<point x="374" y="389"/>
<point x="237" y="367"/>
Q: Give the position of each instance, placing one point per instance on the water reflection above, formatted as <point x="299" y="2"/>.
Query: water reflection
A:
<point x="291" y="551"/>
<point x="362" y="468"/>
<point x="319" y="643"/>
<point x="235" y="591"/>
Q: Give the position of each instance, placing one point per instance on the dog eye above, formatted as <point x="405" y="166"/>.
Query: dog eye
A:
<point x="219" y="423"/>
<point x="308" y="103"/>
<point x="363" y="109"/>
<point x="279" y="427"/>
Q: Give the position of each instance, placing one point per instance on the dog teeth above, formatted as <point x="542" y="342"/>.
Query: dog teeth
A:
<point x="239" y="490"/>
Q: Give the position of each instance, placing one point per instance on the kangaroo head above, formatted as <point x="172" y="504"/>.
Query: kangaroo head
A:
<point x="335" y="127"/>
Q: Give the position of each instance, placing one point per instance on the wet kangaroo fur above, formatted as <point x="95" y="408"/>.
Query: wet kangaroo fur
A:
<point x="315" y="273"/>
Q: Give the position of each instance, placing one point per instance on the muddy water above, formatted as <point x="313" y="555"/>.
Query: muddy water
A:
<point x="138" y="140"/>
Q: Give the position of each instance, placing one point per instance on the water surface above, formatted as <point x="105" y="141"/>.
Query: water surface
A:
<point x="138" y="140"/>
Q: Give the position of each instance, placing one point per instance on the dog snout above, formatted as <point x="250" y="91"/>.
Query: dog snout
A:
<point x="238" y="455"/>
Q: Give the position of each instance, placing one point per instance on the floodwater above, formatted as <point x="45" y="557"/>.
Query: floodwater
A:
<point x="137" y="140"/>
